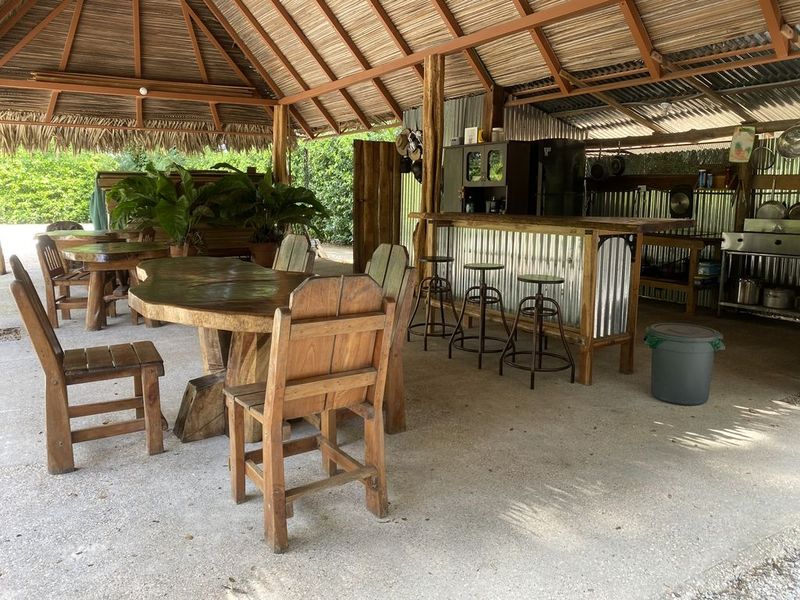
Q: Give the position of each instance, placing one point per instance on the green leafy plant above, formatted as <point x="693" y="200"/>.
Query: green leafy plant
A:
<point x="271" y="208"/>
<point x="152" y="198"/>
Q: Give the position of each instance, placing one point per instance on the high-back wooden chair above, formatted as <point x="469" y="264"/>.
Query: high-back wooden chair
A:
<point x="329" y="350"/>
<point x="389" y="266"/>
<point x="64" y="226"/>
<point x="295" y="254"/>
<point x="139" y="360"/>
<point x="56" y="276"/>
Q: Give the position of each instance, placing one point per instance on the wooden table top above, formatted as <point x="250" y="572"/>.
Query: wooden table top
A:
<point x="107" y="252"/>
<point x="218" y="293"/>
<point x="81" y="234"/>
<point x="532" y="222"/>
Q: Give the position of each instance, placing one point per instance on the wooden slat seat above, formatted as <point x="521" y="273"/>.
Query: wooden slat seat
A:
<point x="139" y="360"/>
<point x="329" y="351"/>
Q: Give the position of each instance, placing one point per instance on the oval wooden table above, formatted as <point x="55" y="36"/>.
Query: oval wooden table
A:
<point x="217" y="295"/>
<point x="109" y="256"/>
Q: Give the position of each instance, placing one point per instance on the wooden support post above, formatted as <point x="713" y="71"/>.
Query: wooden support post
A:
<point x="3" y="270"/>
<point x="493" y="103"/>
<point x="626" y="351"/>
<point x="280" y="145"/>
<point x="588" y="296"/>
<point x="432" y="141"/>
<point x="744" y="195"/>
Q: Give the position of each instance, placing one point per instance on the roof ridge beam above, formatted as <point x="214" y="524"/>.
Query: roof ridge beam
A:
<point x="470" y="53"/>
<point x="554" y="14"/>
<point x="774" y="19"/>
<point x="640" y="36"/>
<point x="359" y="56"/>
<point x="301" y="36"/>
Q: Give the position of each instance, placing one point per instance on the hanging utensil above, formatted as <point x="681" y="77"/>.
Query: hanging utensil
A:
<point x="788" y="144"/>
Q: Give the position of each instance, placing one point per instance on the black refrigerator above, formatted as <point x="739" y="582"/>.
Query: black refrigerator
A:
<point x="560" y="167"/>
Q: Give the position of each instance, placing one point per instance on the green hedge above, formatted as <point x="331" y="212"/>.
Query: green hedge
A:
<point x="42" y="187"/>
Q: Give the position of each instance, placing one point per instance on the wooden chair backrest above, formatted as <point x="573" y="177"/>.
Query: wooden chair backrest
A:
<point x="64" y="226"/>
<point x="38" y="326"/>
<point x="389" y="267"/>
<point x="148" y="234"/>
<point x="49" y="258"/>
<point x="329" y="349"/>
<point x="295" y="254"/>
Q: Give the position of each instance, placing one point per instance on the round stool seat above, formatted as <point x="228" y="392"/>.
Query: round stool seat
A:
<point x="436" y="259"/>
<point x="543" y="279"/>
<point x="484" y="266"/>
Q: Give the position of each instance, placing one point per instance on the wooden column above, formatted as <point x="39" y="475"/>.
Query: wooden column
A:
<point x="280" y="144"/>
<point x="432" y="142"/>
<point x="493" y="103"/>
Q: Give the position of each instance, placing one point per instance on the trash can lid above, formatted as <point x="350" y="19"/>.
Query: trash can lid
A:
<point x="683" y="332"/>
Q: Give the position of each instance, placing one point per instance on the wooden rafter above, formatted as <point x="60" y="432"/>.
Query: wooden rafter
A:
<point x="707" y="91"/>
<point x="554" y="14"/>
<point x="640" y="36"/>
<point x="201" y="65"/>
<point x="616" y="104"/>
<point x="31" y="35"/>
<point x="392" y="30"/>
<point x="265" y="37"/>
<point x="137" y="56"/>
<point x="254" y="62"/>
<point x="301" y="36"/>
<point x="774" y="19"/>
<point x="683" y="74"/>
<point x="23" y="9"/>
<point x="470" y="53"/>
<point x="65" y="54"/>
<point x="359" y="56"/>
<point x="545" y="49"/>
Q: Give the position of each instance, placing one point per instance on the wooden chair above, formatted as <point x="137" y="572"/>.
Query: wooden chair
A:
<point x="329" y="350"/>
<point x="148" y="234"/>
<point x="139" y="360"/>
<point x="295" y="254"/>
<point x="64" y="226"/>
<point x="389" y="266"/>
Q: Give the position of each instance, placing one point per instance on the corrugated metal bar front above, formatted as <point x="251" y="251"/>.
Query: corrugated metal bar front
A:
<point x="520" y="252"/>
<point x="613" y="287"/>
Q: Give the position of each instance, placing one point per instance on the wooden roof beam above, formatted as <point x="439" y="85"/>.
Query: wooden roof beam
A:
<point x="616" y="104"/>
<point x="22" y="10"/>
<point x="245" y="12"/>
<point x="774" y="19"/>
<point x="470" y="53"/>
<point x="136" y="17"/>
<point x="359" y="56"/>
<point x="201" y="65"/>
<point x="31" y="35"/>
<point x="398" y="39"/>
<point x="545" y="49"/>
<point x="301" y="36"/>
<point x="640" y="36"/>
<point x="65" y="54"/>
<point x="254" y="62"/>
<point x="554" y="14"/>
<point x="707" y="91"/>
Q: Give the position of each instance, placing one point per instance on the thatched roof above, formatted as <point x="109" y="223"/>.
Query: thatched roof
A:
<point x="212" y="68"/>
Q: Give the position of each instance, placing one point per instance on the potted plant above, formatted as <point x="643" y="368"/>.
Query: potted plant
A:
<point x="270" y="209"/>
<point x="153" y="199"/>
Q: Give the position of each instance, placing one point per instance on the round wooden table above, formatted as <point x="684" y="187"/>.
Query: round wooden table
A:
<point x="109" y="256"/>
<point x="232" y="302"/>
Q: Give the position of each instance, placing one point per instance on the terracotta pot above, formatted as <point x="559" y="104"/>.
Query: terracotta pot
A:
<point x="182" y="250"/>
<point x="263" y="253"/>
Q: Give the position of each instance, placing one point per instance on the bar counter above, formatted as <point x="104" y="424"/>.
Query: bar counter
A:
<point x="598" y="257"/>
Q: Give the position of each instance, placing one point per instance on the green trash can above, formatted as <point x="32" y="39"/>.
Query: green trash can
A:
<point x="683" y="359"/>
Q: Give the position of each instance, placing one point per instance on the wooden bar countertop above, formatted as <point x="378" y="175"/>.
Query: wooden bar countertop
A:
<point x="535" y="223"/>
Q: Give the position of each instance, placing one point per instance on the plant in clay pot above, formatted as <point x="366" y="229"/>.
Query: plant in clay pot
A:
<point x="270" y="209"/>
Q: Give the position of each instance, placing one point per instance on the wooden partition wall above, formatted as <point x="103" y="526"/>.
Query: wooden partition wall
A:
<point x="376" y="199"/>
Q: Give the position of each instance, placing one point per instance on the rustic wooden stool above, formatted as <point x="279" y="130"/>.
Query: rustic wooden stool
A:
<point x="482" y="295"/>
<point x="542" y="307"/>
<point x="430" y="287"/>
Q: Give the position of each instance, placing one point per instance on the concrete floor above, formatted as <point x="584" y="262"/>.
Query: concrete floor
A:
<point x="496" y="491"/>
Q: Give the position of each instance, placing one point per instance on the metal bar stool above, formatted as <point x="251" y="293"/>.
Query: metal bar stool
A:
<point x="430" y="287"/>
<point x="542" y="307"/>
<point x="482" y="295"/>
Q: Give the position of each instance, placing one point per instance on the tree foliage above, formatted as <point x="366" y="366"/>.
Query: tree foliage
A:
<point x="42" y="187"/>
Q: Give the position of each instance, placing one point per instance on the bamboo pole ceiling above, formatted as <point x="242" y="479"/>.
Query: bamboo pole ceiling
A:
<point x="196" y="72"/>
